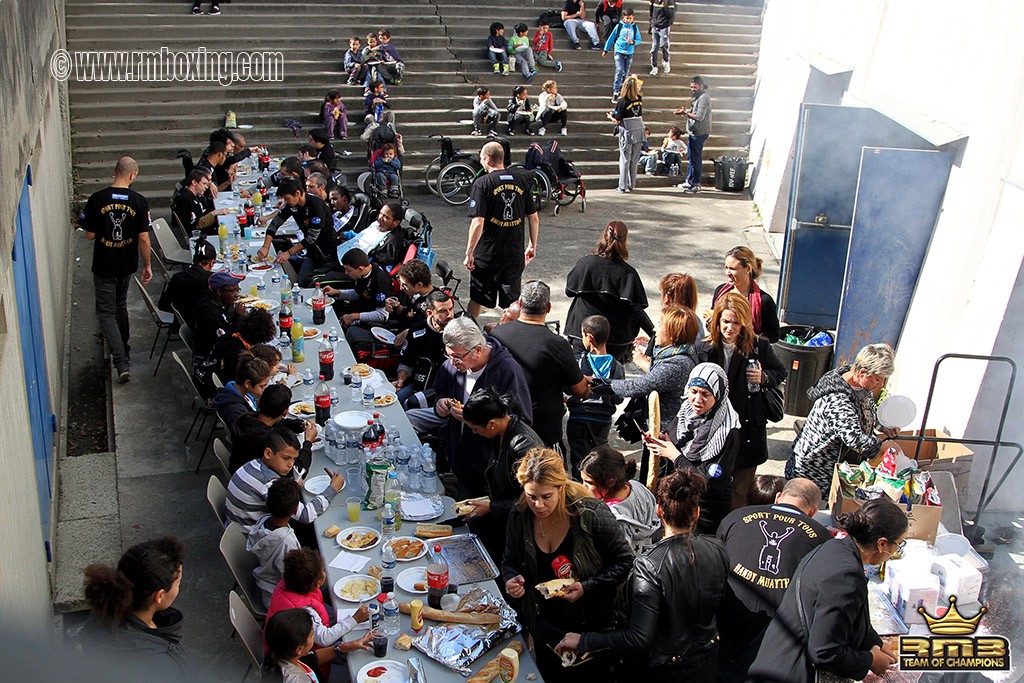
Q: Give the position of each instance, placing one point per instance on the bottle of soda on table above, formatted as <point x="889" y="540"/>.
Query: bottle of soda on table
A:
<point x="322" y="401"/>
<point x="437" y="578"/>
<point x="319" y="306"/>
<point x="284" y="317"/>
<point x="326" y="356"/>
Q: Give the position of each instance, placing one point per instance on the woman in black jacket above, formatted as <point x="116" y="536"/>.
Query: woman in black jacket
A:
<point x="742" y="269"/>
<point x="558" y="531"/>
<point x="498" y="416"/>
<point x="823" y="623"/>
<point x="732" y="344"/>
<point x="674" y="589"/>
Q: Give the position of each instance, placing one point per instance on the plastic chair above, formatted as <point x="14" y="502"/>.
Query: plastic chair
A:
<point x="163" y="321"/>
<point x="248" y="629"/>
<point x="173" y="253"/>
<point x="188" y="338"/>
<point x="241" y="563"/>
<point x="218" y="497"/>
<point x="223" y="453"/>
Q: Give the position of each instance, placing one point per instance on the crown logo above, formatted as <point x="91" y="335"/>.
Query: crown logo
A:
<point x="952" y="623"/>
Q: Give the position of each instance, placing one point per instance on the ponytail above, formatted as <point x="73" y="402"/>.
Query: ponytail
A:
<point x="879" y="518"/>
<point x="608" y="468"/>
<point x="143" y="570"/>
<point x="487" y="404"/>
<point x="285" y="632"/>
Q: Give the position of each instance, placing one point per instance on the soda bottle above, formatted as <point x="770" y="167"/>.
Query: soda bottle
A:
<point x="393" y="496"/>
<point x="298" y="342"/>
<point x="391" y="619"/>
<point x="437" y="578"/>
<point x="377" y="611"/>
<point x="326" y="356"/>
<point x="322" y="401"/>
<point x="387" y="523"/>
<point x="243" y="221"/>
<point x="319" y="306"/>
<point x="264" y="159"/>
<point x="250" y="212"/>
<point x="369" y="436"/>
<point x="379" y="426"/>
<point x="387" y="574"/>
<point x="284" y="317"/>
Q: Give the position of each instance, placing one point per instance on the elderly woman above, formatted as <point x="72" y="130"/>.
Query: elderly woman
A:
<point x="742" y="269"/>
<point x="706" y="440"/>
<point x="842" y="423"/>
<point x="602" y="283"/>
<point x="674" y="590"/>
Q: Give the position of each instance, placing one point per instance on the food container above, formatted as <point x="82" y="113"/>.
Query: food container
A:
<point x="468" y="562"/>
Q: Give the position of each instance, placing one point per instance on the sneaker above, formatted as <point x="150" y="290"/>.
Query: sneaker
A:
<point x="666" y="68"/>
<point x="123" y="375"/>
<point x="529" y="76"/>
<point x="542" y="131"/>
<point x="654" y="71"/>
<point x="215" y="10"/>
<point x="476" y="132"/>
<point x="596" y="46"/>
<point x="558" y="66"/>
<point x="393" y="192"/>
<point x="530" y="132"/>
<point x="577" y="46"/>
<point x="683" y="186"/>
<point x="397" y="82"/>
<point x="352" y="81"/>
<point x="197" y="10"/>
<point x="565" y="131"/>
<point x="615" y="99"/>
<point x="620" y="190"/>
<point x="497" y="67"/>
<point x="492" y="133"/>
<point x="694" y="189"/>
<point x="511" y="132"/>
<point x="504" y="70"/>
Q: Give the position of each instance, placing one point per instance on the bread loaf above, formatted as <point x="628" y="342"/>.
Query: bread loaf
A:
<point x="332" y="531"/>
<point x="654" y="426"/>
<point x="490" y="670"/>
<point x="452" y="617"/>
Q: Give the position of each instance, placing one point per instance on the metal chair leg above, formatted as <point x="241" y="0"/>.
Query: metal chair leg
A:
<point x="195" y="418"/>
<point x="167" y="340"/>
<point x="206" y="447"/>
<point x="155" y="338"/>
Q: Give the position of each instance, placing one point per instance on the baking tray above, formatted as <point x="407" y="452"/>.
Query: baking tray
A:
<point x="468" y="562"/>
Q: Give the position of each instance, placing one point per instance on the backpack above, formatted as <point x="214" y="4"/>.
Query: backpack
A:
<point x="551" y="17"/>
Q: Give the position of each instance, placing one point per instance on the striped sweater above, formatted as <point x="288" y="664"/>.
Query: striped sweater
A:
<point x="247" y="496"/>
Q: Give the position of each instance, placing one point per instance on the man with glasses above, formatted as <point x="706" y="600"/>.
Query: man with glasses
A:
<point x="423" y="346"/>
<point x="474" y="361"/>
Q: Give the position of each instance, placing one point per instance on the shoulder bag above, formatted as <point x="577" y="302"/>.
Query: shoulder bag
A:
<point x="774" y="403"/>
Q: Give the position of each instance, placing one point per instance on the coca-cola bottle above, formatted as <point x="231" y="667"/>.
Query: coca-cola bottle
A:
<point x="322" y="401"/>
<point x="378" y="425"/>
<point x="319" y="306"/>
<point x="284" y="317"/>
<point x="250" y="212"/>
<point x="264" y="159"/>
<point x="326" y="356"/>
<point x="437" y="578"/>
<point x="243" y="221"/>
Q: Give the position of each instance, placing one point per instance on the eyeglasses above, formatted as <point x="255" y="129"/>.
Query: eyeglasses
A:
<point x="901" y="545"/>
<point x="459" y="358"/>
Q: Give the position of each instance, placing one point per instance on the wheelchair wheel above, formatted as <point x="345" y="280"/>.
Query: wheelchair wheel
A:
<point x="566" y="193"/>
<point x="431" y="174"/>
<point x="455" y="181"/>
<point x="540" y="186"/>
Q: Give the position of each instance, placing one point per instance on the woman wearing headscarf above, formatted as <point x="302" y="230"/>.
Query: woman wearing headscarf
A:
<point x="707" y="439"/>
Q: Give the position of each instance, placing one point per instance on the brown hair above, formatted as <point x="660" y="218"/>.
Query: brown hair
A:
<point x="745" y="256"/>
<point x="613" y="243"/>
<point x="608" y="468"/>
<point x="679" y="494"/>
<point x="738" y="304"/>
<point x="303" y="571"/>
<point x="545" y="467"/>
<point x="678" y="289"/>
<point x="680" y="325"/>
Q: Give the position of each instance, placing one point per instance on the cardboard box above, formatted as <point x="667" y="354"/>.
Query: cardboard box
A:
<point x="954" y="458"/>
<point x="923" y="519"/>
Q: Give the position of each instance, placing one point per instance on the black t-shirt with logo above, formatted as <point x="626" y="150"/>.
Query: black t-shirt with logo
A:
<point x="117" y="216"/>
<point x="571" y="7"/>
<point x="189" y="209"/>
<point x="373" y="290"/>
<point x="314" y="218"/>
<point x="503" y="199"/>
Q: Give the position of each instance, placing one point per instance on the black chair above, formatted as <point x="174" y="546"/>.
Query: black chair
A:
<point x="447" y="275"/>
<point x="186" y="160"/>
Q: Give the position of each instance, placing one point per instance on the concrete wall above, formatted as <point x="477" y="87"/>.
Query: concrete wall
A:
<point x="963" y="69"/>
<point x="33" y="131"/>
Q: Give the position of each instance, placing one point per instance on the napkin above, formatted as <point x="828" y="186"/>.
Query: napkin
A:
<point x="344" y="612"/>
<point x="350" y="561"/>
<point x="417" y="507"/>
<point x="374" y="381"/>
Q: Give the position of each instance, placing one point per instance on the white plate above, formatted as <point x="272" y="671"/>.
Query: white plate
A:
<point x="383" y="335"/>
<point x="287" y="380"/>
<point x="317" y="485"/>
<point x="293" y="410"/>
<point x="352" y="419"/>
<point x="397" y="672"/>
<point x="341" y="583"/>
<point x="386" y="398"/>
<point x="265" y="304"/>
<point x="362" y="530"/>
<point x="896" y="412"/>
<point x="319" y="441"/>
<point x="312" y="333"/>
<point x="261" y="267"/>
<point x="421" y="553"/>
<point x="408" y="579"/>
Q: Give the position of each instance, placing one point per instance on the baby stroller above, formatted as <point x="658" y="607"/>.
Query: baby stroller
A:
<point x="373" y="184"/>
<point x="565" y="181"/>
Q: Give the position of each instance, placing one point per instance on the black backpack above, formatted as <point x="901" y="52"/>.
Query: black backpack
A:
<point x="551" y="17"/>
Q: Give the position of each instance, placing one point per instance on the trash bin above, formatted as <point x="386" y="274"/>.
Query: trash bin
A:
<point x="730" y="174"/>
<point x="806" y="365"/>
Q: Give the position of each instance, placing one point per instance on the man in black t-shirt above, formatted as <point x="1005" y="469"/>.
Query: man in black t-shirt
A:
<point x="189" y="207"/>
<point x="423" y="341"/>
<point x="117" y="221"/>
<point x="501" y="205"/>
<point x="189" y="286"/>
<point x="313" y="217"/>
<point x="365" y="302"/>
<point x="765" y="544"/>
<point x="546" y="359"/>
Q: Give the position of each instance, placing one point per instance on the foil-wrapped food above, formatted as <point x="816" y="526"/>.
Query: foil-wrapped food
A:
<point x="457" y="646"/>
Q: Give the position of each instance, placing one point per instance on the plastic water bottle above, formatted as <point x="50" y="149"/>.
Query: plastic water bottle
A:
<point x="367" y="396"/>
<point x="414" y="478"/>
<point x="674" y="170"/>
<point x="331" y="442"/>
<point x="275" y="279"/>
<point x="431" y="484"/>
<point x="387" y="574"/>
<point x="261" y="287"/>
<point x="752" y="387"/>
<point x="357" y="388"/>
<point x="296" y="295"/>
<point x="332" y="336"/>
<point x="393" y="496"/>
<point x="391" y="619"/>
<point x="334" y="396"/>
<point x="308" y="384"/>
<point x="387" y="523"/>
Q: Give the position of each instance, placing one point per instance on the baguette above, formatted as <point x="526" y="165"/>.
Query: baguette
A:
<point x="433" y="530"/>
<point x="654" y="425"/>
<point x="332" y="531"/>
<point x="453" y="617"/>
<point x="490" y="670"/>
<point x="463" y="507"/>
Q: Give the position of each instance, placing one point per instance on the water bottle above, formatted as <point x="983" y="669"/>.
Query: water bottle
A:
<point x="308" y="384"/>
<point x="387" y="574"/>
<point x="752" y="387"/>
<point x="330" y="437"/>
<point x="334" y="396"/>
<point x="391" y="620"/>
<point x="332" y="336"/>
<point x="285" y="342"/>
<point x="431" y="484"/>
<point x="275" y="279"/>
<point x="674" y="170"/>
<point x="387" y="523"/>
<point x="414" y="478"/>
<point x="296" y="295"/>
<point x="261" y="287"/>
<point x="357" y="388"/>
<point x="393" y="496"/>
<point x="367" y="396"/>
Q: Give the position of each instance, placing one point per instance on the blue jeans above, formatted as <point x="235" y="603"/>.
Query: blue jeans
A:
<point x="695" y="149"/>
<point x="660" y="42"/>
<point x="498" y="57"/>
<point x="623" y="62"/>
<point x="112" y="312"/>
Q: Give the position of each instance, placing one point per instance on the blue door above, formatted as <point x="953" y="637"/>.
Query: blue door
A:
<point x="30" y="327"/>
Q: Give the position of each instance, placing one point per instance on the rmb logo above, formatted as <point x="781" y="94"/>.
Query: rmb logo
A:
<point x="952" y="645"/>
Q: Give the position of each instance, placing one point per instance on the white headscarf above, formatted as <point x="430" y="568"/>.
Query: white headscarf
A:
<point x="702" y="437"/>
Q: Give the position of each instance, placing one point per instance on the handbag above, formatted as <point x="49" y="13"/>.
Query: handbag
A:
<point x="634" y="413"/>
<point x="819" y="675"/>
<point x="774" y="402"/>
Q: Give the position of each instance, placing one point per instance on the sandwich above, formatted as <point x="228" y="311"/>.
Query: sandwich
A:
<point x="463" y="507"/>
<point x="554" y="588"/>
<point x="332" y="531"/>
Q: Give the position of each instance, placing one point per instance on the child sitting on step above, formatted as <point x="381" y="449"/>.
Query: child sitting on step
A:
<point x="497" y="48"/>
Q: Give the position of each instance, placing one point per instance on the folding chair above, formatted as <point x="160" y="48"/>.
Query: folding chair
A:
<point x="248" y="629"/>
<point x="241" y="563"/>
<point x="187" y="337"/>
<point x="218" y="497"/>
<point x="200" y="406"/>
<point x="163" y="320"/>
<point x="223" y="453"/>
<point x="165" y="273"/>
<point x="173" y="253"/>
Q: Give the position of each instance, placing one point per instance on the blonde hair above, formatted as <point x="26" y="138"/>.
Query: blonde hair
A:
<point x="738" y="304"/>
<point x="548" y="85"/>
<point x="875" y="359"/>
<point x="545" y="467"/>
<point x="680" y="325"/>
<point x="745" y="256"/>
<point x="631" y="87"/>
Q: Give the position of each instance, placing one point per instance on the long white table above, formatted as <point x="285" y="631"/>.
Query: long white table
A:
<point x="395" y="419"/>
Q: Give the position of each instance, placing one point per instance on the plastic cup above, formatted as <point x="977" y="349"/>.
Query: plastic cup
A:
<point x="354" y="477"/>
<point x="380" y="643"/>
<point x="354" y="506"/>
<point x="252" y="290"/>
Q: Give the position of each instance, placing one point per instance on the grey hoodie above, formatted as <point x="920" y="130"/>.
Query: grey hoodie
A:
<point x="638" y="516"/>
<point x="270" y="545"/>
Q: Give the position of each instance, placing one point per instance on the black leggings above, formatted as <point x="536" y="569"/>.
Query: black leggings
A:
<point x="561" y="116"/>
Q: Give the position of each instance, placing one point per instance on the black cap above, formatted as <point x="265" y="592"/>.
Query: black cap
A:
<point x="204" y="252"/>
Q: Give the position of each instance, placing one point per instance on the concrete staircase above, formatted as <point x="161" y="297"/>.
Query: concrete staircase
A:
<point x="442" y="43"/>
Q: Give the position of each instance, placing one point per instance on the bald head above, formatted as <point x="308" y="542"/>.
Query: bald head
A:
<point x="801" y="493"/>
<point x="126" y="168"/>
<point x="493" y="154"/>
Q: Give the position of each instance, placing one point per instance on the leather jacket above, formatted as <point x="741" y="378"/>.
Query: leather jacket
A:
<point x="675" y="589"/>
<point x="503" y="488"/>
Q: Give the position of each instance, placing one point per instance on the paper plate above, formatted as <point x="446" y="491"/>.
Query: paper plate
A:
<point x="317" y="485"/>
<point x="394" y="672"/>
<point x="408" y="579"/>
<point x="372" y="587"/>
<point x="383" y="335"/>
<point x="384" y="398"/>
<point x="297" y="410"/>
<point x="896" y="412"/>
<point x="343" y="534"/>
<point x="352" y="419"/>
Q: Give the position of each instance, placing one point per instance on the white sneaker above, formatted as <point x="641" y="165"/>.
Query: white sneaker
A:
<point x="654" y="71"/>
<point x="542" y="131"/>
<point x="565" y="131"/>
<point x="666" y="67"/>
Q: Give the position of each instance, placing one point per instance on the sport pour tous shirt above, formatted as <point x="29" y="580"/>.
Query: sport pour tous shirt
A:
<point x="117" y="216"/>
<point x="502" y="198"/>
